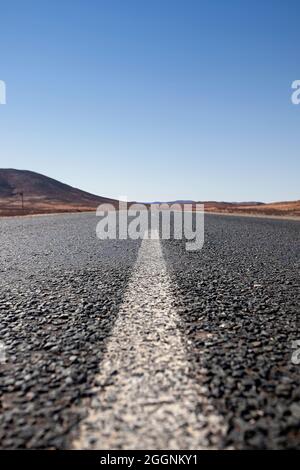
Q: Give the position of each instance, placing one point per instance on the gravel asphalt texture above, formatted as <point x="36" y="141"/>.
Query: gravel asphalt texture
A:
<point x="146" y="398"/>
<point x="60" y="292"/>
<point x="237" y="301"/>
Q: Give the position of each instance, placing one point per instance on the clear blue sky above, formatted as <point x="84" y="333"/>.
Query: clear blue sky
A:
<point x="154" y="99"/>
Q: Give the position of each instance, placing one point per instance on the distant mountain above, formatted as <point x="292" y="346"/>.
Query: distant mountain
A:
<point x="178" y="201"/>
<point x="214" y="203"/>
<point x="288" y="208"/>
<point x="43" y="194"/>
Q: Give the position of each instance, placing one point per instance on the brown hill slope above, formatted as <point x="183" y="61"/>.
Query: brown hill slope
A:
<point x="42" y="194"/>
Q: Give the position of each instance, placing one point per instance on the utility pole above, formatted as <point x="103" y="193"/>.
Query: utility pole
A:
<point x="22" y="199"/>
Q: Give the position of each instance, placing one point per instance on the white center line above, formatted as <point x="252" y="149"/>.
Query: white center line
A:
<point x="145" y="397"/>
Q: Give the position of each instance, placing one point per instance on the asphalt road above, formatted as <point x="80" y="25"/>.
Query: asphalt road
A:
<point x="140" y="344"/>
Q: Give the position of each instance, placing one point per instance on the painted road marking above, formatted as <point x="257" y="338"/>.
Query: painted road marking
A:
<point x="145" y="397"/>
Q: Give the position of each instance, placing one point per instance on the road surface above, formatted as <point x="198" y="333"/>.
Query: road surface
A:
<point x="129" y="344"/>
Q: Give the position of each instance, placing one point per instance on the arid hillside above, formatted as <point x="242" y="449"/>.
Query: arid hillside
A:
<point x="26" y="192"/>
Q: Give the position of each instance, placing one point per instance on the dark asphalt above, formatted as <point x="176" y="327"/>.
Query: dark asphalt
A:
<point x="61" y="289"/>
<point x="238" y="298"/>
